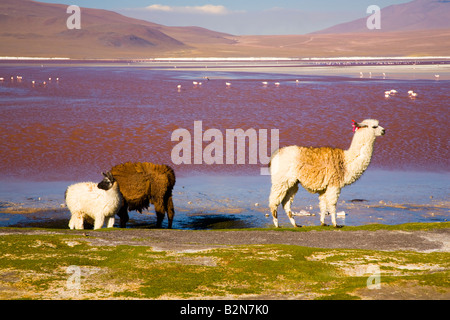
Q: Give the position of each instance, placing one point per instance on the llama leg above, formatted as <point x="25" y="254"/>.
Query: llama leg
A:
<point x="123" y="215"/>
<point x="159" y="219"/>
<point x="110" y="222"/>
<point x="277" y="193"/>
<point x="159" y="210"/>
<point x="275" y="217"/>
<point x="323" y="208"/>
<point x="79" y="222"/>
<point x="332" y="196"/>
<point x="72" y="223"/>
<point x="287" y="202"/>
<point x="76" y="221"/>
<point x="170" y="212"/>
<point x="99" y="221"/>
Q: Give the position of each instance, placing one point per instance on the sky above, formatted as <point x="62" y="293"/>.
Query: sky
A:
<point x="241" y="17"/>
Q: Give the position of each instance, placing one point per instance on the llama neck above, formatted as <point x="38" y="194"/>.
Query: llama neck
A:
<point x="114" y="188"/>
<point x="357" y="157"/>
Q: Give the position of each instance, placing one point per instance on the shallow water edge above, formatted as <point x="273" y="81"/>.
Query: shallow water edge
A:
<point x="236" y="201"/>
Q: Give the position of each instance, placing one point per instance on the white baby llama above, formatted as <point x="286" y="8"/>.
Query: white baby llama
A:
<point x="321" y="170"/>
<point x="92" y="201"/>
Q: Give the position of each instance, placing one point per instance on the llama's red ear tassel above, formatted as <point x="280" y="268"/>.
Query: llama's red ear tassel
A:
<point x="354" y="126"/>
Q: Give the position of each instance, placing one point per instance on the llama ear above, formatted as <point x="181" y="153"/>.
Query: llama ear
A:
<point x="357" y="125"/>
<point x="109" y="176"/>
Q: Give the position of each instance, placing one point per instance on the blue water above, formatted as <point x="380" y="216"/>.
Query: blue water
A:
<point x="227" y="201"/>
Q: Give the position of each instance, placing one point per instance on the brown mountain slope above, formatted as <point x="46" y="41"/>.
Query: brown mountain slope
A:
<point x="414" y="15"/>
<point x="419" y="43"/>
<point x="30" y="28"/>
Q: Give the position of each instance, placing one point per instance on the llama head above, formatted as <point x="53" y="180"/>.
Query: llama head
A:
<point x="107" y="181"/>
<point x="370" y="127"/>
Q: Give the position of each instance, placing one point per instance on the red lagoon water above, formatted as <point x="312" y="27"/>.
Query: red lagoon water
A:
<point x="95" y="117"/>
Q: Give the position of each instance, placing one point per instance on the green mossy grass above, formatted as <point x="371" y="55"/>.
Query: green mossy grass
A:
<point x="34" y="266"/>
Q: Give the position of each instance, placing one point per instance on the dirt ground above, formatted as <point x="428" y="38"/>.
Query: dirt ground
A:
<point x="187" y="240"/>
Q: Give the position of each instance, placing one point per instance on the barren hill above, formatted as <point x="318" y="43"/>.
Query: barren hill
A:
<point x="411" y="16"/>
<point x="34" y="29"/>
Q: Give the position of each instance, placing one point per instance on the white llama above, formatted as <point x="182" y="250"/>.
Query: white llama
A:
<point x="95" y="202"/>
<point x="322" y="170"/>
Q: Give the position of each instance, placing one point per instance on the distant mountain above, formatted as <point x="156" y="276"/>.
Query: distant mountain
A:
<point x="411" y="16"/>
<point x="35" y="29"/>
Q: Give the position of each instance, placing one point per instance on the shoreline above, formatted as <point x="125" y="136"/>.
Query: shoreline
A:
<point x="406" y="69"/>
<point x="243" y="58"/>
<point x="206" y="202"/>
<point x="239" y="62"/>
